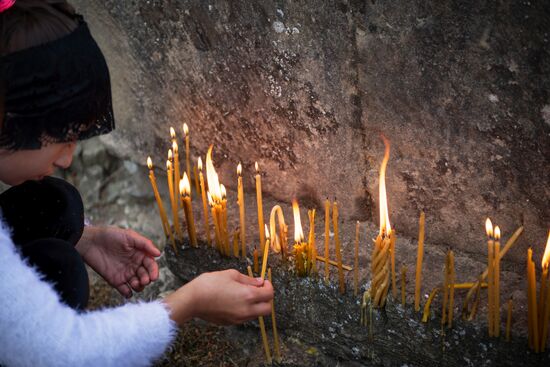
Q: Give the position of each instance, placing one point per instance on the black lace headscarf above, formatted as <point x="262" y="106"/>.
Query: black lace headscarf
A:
<point x="55" y="92"/>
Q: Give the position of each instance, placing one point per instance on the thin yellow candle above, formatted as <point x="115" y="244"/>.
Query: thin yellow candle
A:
<point x="214" y="208"/>
<point x="393" y="275"/>
<point x="274" y="324"/>
<point x="452" y="278"/>
<point x="236" y="243"/>
<point x="419" y="259"/>
<point x="240" y="199"/>
<point x="509" y="319"/>
<point x="176" y="167"/>
<point x="187" y="153"/>
<point x="196" y="177"/>
<point x="327" y="240"/>
<point x="185" y="190"/>
<point x="342" y="284"/>
<point x="312" y="249"/>
<point x="262" y="328"/>
<point x="259" y="204"/>
<point x="445" y="290"/>
<point x="175" y="217"/>
<point x="163" y="217"/>
<point x="491" y="276"/>
<point x="224" y="219"/>
<point x="426" y="313"/>
<point x="204" y="204"/>
<point x="356" y="261"/>
<point x="255" y="260"/>
<point x="496" y="279"/>
<point x="333" y="263"/>
<point x="266" y="253"/>
<point x="532" y="306"/>
<point x="545" y="309"/>
<point x="403" y="282"/>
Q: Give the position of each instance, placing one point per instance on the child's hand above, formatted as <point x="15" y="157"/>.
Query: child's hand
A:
<point x="124" y="258"/>
<point x="222" y="297"/>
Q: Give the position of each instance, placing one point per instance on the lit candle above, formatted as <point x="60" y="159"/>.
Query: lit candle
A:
<point x="262" y="328"/>
<point x="170" y="178"/>
<point x="496" y="279"/>
<point x="491" y="276"/>
<point x="240" y="199"/>
<point x="214" y="209"/>
<point x="278" y="241"/>
<point x="342" y="284"/>
<point x="204" y="204"/>
<point x="419" y="258"/>
<point x="356" y="262"/>
<point x="162" y="212"/>
<point x="196" y="176"/>
<point x="185" y="191"/>
<point x="187" y="154"/>
<point x="327" y="239"/>
<point x="259" y="204"/>
<point x="219" y="215"/>
<point x="300" y="246"/>
<point x="274" y="324"/>
<point x="312" y="250"/>
<point x="381" y="256"/>
<point x="176" y="167"/>
<point x="393" y="275"/>
<point x="403" y="282"/>
<point x="509" y="319"/>
<point x="532" y="302"/>
<point x="545" y="309"/>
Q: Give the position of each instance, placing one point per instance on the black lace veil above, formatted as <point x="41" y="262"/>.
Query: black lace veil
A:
<point x="56" y="92"/>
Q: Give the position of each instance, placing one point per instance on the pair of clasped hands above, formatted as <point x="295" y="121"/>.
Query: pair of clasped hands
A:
<point x="126" y="260"/>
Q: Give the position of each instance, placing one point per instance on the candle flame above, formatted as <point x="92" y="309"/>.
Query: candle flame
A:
<point x="175" y="147"/>
<point x="298" y="233"/>
<point x="170" y="154"/>
<point x="257" y="167"/>
<point x="172" y="133"/>
<point x="199" y="164"/>
<point x="185" y="129"/>
<point x="546" y="256"/>
<point x="239" y="169"/>
<point x="212" y="177"/>
<point x="209" y="198"/>
<point x="168" y="165"/>
<point x="185" y="187"/>
<point x="267" y="236"/>
<point x="149" y="163"/>
<point x="497" y="233"/>
<point x="223" y="191"/>
<point x="489" y="227"/>
<point x="385" y="226"/>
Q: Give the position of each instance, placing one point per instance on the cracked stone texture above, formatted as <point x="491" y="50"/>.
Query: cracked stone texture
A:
<point x="306" y="88"/>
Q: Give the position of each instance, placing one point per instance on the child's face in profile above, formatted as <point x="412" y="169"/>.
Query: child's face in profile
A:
<point x="19" y="166"/>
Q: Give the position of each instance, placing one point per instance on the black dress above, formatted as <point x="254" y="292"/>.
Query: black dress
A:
<point x="47" y="220"/>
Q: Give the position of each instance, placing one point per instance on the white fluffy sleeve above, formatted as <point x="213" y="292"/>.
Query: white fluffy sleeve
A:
<point x="36" y="329"/>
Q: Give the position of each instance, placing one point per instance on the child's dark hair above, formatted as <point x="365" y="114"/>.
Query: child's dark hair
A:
<point x="30" y="23"/>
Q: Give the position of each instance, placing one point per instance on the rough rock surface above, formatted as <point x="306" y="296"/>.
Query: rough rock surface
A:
<point x="306" y="88"/>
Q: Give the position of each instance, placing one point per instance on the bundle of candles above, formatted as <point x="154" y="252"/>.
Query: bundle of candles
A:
<point x="304" y="251"/>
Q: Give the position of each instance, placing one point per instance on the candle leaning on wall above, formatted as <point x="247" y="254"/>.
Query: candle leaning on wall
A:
<point x="259" y="204"/>
<point x="491" y="275"/>
<point x="187" y="152"/>
<point x="327" y="240"/>
<point x="240" y="200"/>
<point x="545" y="307"/>
<point x="532" y="303"/>
<point x="419" y="260"/>
<point x="496" y="279"/>
<point x="356" y="261"/>
<point x="204" y="203"/>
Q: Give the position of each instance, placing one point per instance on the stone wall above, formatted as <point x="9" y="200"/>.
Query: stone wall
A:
<point x="461" y="89"/>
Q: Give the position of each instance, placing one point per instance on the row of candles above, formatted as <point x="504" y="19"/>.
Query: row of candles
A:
<point x="383" y="273"/>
